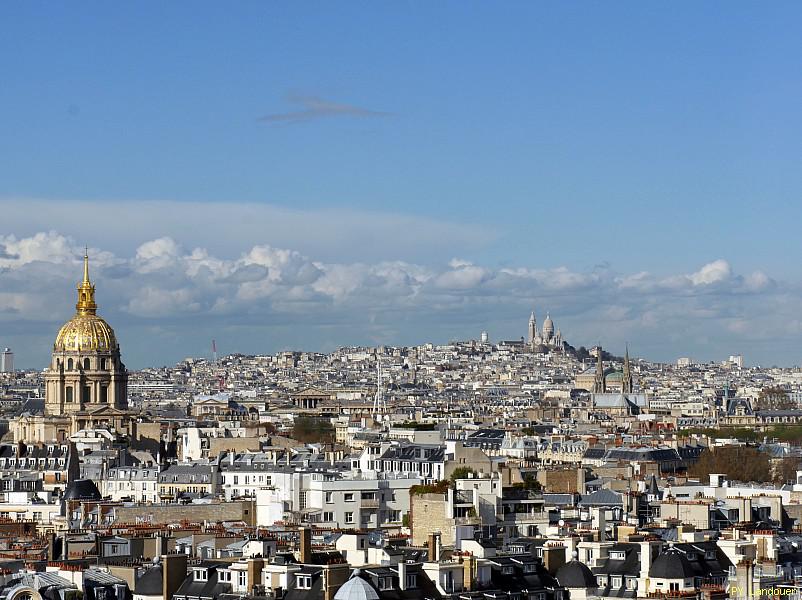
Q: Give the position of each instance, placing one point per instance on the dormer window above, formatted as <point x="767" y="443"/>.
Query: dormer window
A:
<point x="303" y="582"/>
<point x="618" y="555"/>
<point x="200" y="575"/>
<point x="412" y="580"/>
<point x="385" y="583"/>
<point x="507" y="570"/>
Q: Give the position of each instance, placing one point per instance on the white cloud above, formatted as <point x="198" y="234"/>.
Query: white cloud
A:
<point x="156" y="255"/>
<point x="714" y="272"/>
<point x="163" y="287"/>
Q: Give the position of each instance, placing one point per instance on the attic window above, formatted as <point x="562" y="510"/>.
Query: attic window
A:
<point x="304" y="582"/>
<point x="618" y="555"/>
<point x="201" y="575"/>
<point x="385" y="583"/>
<point x="507" y="570"/>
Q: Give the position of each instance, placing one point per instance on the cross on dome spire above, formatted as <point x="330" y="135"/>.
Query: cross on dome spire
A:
<point x="86" y="291"/>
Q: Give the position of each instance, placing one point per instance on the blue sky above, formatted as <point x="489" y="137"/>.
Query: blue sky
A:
<point x="590" y="137"/>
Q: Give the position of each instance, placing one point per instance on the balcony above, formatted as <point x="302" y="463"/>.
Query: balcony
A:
<point x="526" y="517"/>
<point x="369" y="504"/>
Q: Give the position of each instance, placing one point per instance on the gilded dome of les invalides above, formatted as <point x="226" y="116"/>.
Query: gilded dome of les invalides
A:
<point x="86" y="331"/>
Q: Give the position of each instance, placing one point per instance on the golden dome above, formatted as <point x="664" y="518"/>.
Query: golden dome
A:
<point x="86" y="331"/>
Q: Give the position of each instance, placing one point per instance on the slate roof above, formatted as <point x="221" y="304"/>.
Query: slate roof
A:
<point x="576" y="574"/>
<point x="629" y="565"/>
<point x="210" y="589"/>
<point x="602" y="498"/>
<point x="671" y="564"/>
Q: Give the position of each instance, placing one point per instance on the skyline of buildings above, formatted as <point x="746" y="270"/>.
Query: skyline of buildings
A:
<point x="511" y="469"/>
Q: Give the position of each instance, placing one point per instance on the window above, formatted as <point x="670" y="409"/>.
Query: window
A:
<point x="507" y="570"/>
<point x="349" y="517"/>
<point x="303" y="582"/>
<point x="69" y="364"/>
<point x="104" y="393"/>
<point x="86" y="364"/>
<point x="328" y="517"/>
<point x="242" y="579"/>
<point x="86" y="394"/>
<point x="68" y="391"/>
<point x="616" y="581"/>
<point x="200" y="575"/>
<point x="349" y="497"/>
<point x="412" y="581"/>
<point x="329" y="498"/>
<point x="385" y="583"/>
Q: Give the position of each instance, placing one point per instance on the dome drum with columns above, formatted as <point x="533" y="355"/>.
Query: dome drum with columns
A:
<point x="85" y="371"/>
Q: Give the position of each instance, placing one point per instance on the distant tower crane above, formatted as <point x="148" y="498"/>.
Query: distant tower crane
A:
<point x="379" y="402"/>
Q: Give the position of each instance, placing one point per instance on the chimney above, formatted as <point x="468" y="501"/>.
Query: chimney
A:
<point x="255" y="566"/>
<point x="305" y="545"/>
<point x="743" y="578"/>
<point x="645" y="559"/>
<point x="173" y="574"/>
<point x="623" y="532"/>
<point x="468" y="572"/>
<point x="553" y="557"/>
<point x="334" y="576"/>
<point x="402" y="575"/>
<point x="599" y="521"/>
<point x="434" y="546"/>
<point x="51" y="547"/>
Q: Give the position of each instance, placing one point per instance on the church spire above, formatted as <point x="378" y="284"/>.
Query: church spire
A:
<point x="86" y="291"/>
<point x="600" y="385"/>
<point x="626" y="382"/>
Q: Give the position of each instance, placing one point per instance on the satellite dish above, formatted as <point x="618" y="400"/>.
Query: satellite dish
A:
<point x="561" y="523"/>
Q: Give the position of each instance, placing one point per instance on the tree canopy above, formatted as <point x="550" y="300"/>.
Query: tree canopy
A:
<point x="462" y="473"/>
<point x="774" y="398"/>
<point x="742" y="463"/>
<point x="311" y="430"/>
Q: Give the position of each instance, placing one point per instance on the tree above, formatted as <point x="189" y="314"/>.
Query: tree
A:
<point x="774" y="398"/>
<point x="785" y="470"/>
<point x="312" y="431"/>
<point x="742" y="463"/>
<point x="462" y="473"/>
